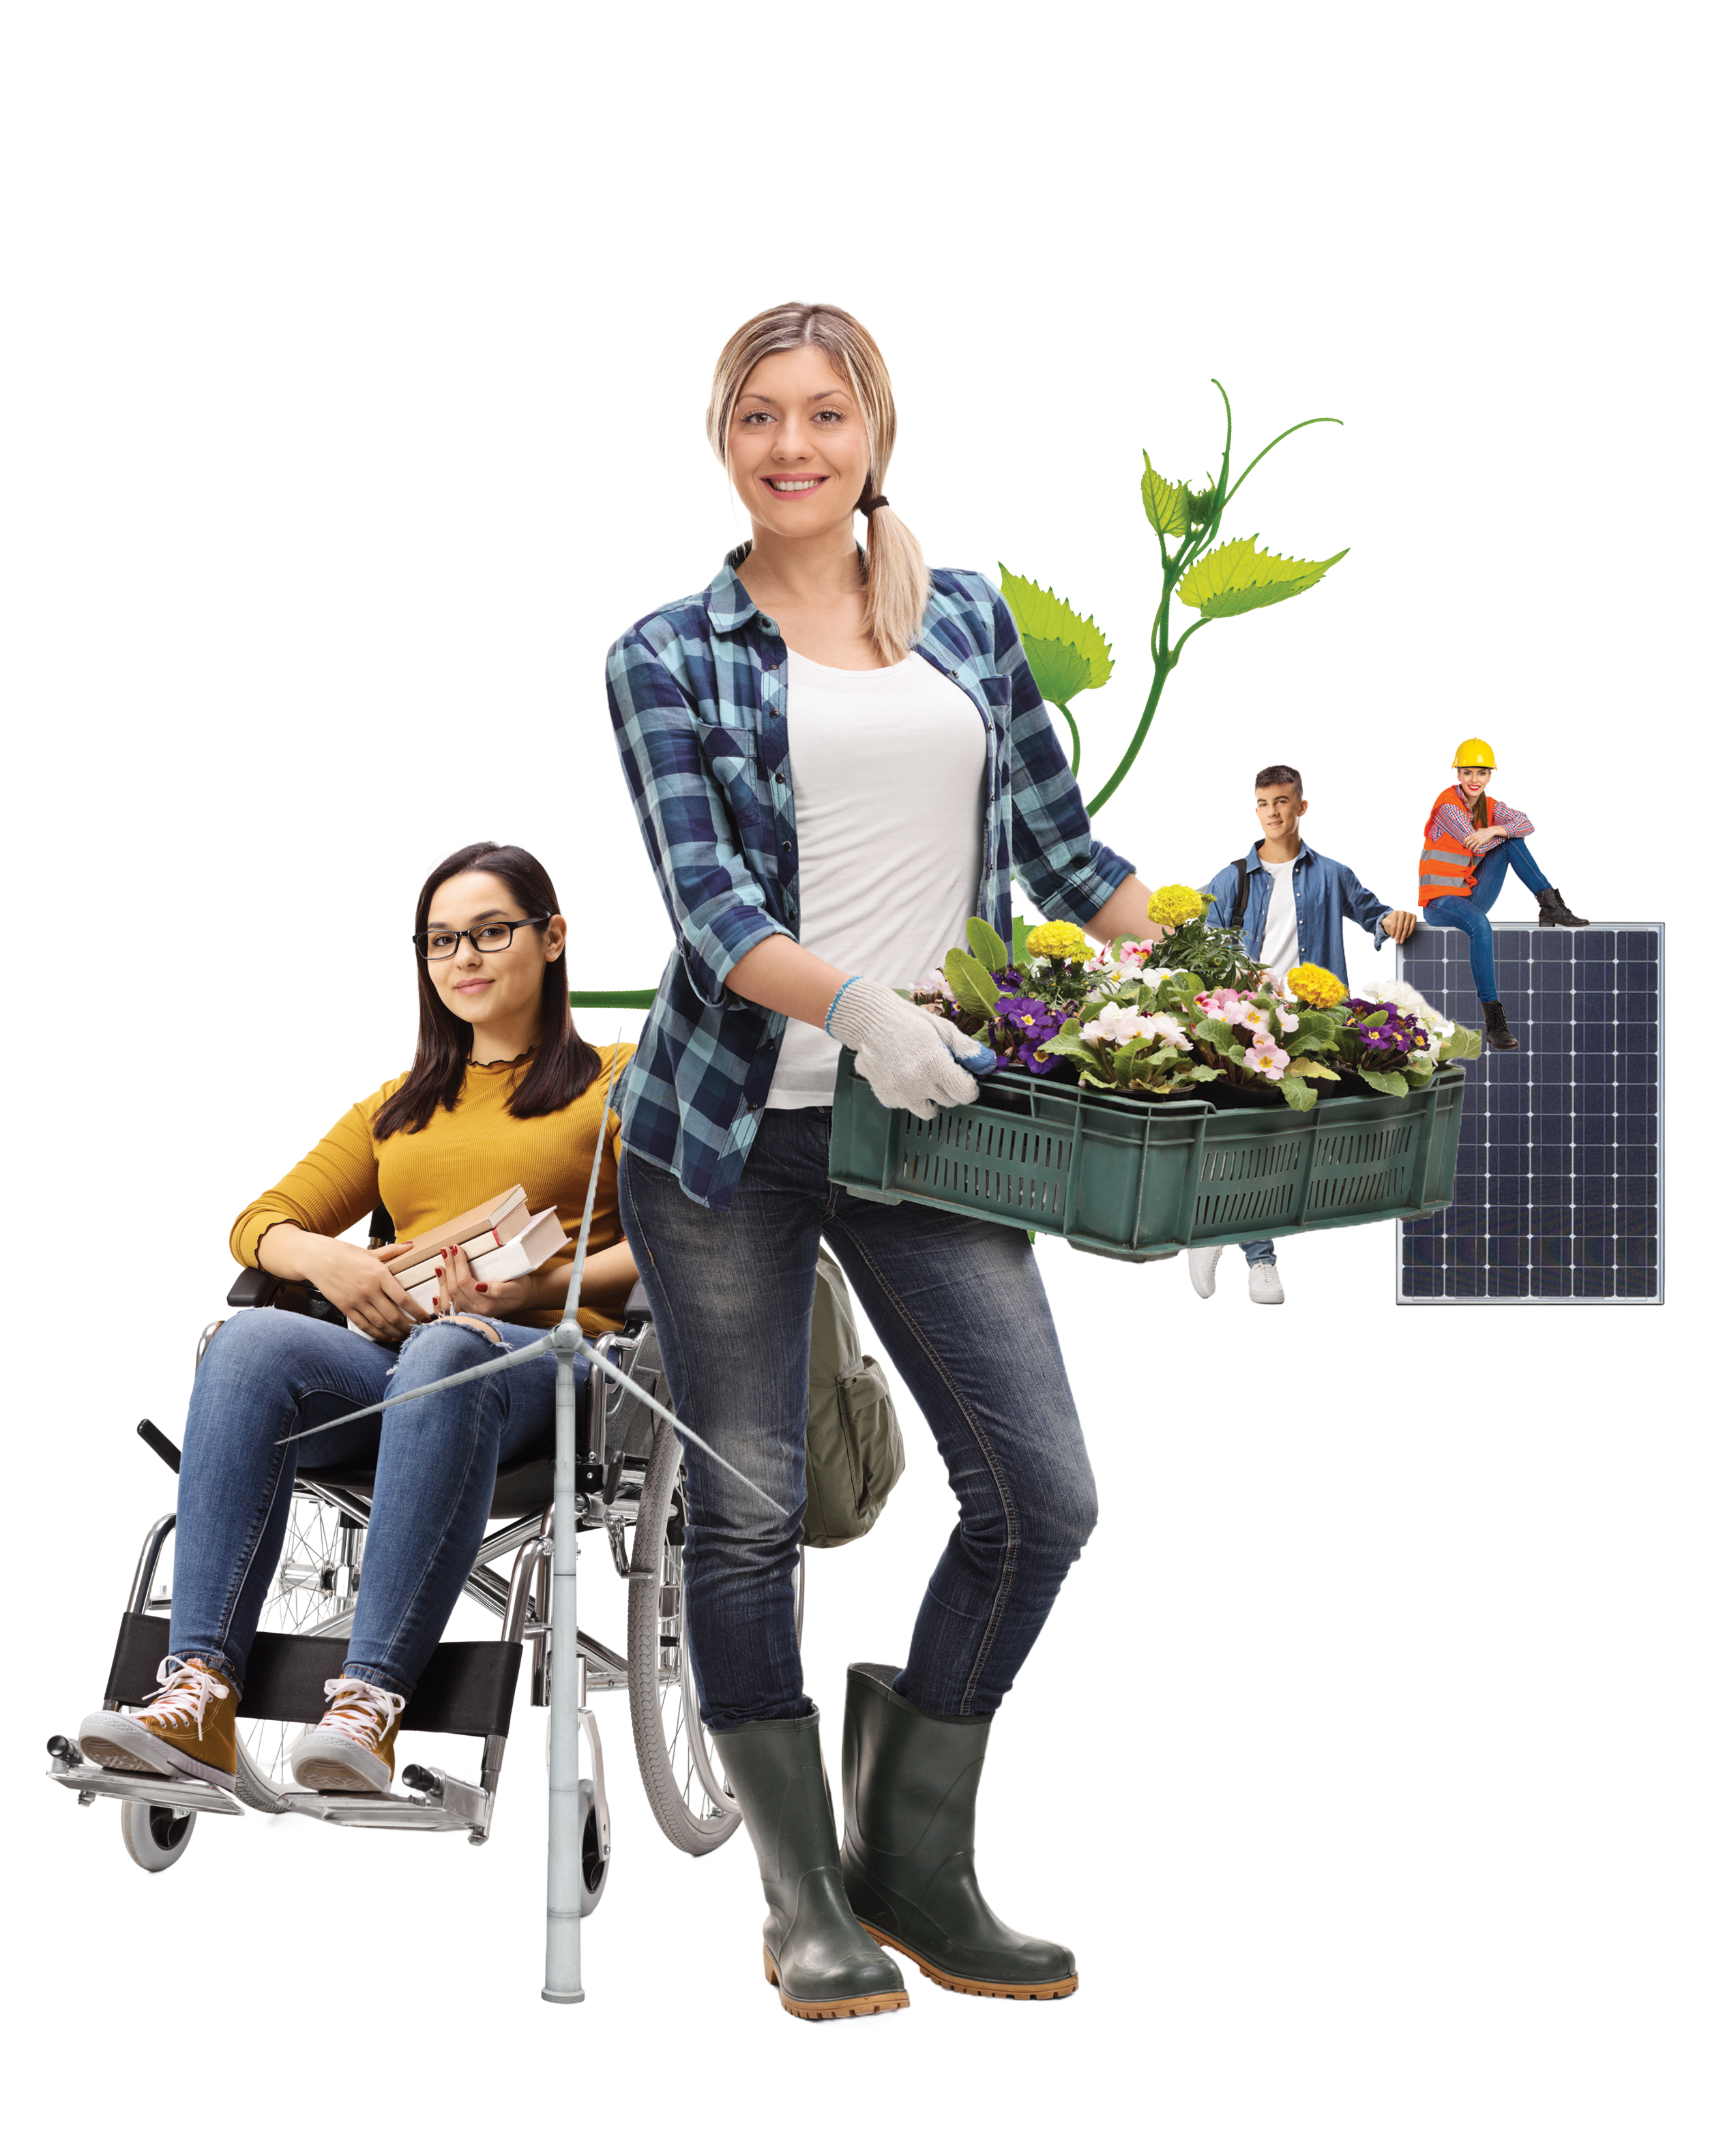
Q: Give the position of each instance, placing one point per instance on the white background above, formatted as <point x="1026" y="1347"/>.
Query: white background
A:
<point x="352" y="403"/>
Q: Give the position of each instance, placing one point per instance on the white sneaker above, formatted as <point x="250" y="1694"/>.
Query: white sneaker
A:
<point x="1263" y="1284"/>
<point x="1202" y="1267"/>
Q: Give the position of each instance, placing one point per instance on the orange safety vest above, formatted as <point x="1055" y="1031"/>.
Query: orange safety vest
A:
<point x="1446" y="868"/>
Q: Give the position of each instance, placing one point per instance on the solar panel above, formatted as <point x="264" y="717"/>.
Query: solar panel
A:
<point x="1557" y="1182"/>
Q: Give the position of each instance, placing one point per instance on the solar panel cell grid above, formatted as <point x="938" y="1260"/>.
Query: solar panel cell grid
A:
<point x="1558" y="1193"/>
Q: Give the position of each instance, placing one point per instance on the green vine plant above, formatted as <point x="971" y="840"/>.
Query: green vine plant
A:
<point x="1068" y="652"/>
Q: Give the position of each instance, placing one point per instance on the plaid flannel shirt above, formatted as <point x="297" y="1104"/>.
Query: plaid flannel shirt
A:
<point x="698" y="696"/>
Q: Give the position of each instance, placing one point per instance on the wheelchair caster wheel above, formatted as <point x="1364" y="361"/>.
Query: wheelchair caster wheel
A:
<point x="595" y="1868"/>
<point x="155" y="1835"/>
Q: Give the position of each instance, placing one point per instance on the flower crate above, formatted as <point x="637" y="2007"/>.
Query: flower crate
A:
<point x="1135" y="1180"/>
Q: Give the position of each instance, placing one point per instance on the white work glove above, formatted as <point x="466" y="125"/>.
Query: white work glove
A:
<point x="911" y="1057"/>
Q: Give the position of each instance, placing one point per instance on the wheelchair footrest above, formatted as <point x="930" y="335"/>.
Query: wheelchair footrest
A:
<point x="146" y="1789"/>
<point x="454" y="1807"/>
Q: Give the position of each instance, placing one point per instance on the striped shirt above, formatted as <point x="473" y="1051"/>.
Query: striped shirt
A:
<point x="1449" y="821"/>
<point x="698" y="698"/>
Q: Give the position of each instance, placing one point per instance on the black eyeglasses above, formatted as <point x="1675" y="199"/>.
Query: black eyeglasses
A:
<point x="433" y="944"/>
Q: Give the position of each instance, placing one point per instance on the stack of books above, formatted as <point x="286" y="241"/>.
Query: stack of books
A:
<point x="502" y="1239"/>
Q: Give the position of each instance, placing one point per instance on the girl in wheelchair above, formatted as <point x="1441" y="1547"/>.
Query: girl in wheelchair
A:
<point x="502" y="1090"/>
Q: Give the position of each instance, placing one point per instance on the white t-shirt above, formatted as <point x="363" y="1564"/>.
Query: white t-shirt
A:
<point x="1282" y="947"/>
<point x="889" y="769"/>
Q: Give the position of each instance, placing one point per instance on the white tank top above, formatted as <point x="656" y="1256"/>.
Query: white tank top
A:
<point x="889" y="769"/>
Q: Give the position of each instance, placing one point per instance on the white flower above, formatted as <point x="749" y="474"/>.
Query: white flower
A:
<point x="934" y="985"/>
<point x="1115" y="1024"/>
<point x="1153" y="975"/>
<point x="1162" y="1026"/>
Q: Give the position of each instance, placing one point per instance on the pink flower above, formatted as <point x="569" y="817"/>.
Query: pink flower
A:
<point x="1291" y="1020"/>
<point x="1271" y="1062"/>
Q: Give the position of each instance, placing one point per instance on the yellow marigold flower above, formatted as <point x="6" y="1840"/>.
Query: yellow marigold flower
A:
<point x="1317" y="986"/>
<point x="1176" y="903"/>
<point x="1058" y="939"/>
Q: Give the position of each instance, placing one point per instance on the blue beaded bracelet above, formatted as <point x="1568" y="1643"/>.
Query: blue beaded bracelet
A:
<point x="837" y="999"/>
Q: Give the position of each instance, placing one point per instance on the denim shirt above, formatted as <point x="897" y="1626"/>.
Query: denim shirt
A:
<point x="1325" y="895"/>
<point x="698" y="695"/>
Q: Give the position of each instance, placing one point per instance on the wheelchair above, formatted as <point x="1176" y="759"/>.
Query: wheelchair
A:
<point x="629" y="1487"/>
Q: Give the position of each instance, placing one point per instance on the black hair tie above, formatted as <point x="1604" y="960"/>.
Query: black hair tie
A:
<point x="878" y="501"/>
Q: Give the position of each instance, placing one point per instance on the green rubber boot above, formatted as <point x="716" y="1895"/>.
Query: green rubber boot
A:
<point x="823" y="1964"/>
<point x="910" y="1780"/>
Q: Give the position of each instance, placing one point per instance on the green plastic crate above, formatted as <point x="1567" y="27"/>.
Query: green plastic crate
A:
<point x="1139" y="1181"/>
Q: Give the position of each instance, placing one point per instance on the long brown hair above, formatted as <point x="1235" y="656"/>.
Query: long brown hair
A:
<point x="562" y="1066"/>
<point x="897" y="579"/>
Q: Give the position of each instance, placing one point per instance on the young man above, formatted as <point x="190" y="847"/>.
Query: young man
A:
<point x="1289" y="904"/>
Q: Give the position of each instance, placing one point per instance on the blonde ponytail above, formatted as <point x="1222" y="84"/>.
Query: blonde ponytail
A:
<point x="897" y="579"/>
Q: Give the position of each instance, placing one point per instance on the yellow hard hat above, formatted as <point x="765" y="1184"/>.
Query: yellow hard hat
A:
<point x="1474" y="752"/>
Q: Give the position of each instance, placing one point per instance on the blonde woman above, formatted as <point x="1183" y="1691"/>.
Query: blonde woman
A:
<point x="837" y="756"/>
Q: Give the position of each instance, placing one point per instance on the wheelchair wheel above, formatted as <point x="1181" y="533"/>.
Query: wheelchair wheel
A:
<point x="596" y="1869"/>
<point x="313" y="1591"/>
<point x="155" y="1835"/>
<point x="683" y="1786"/>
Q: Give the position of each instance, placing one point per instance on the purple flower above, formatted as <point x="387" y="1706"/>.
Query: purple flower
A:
<point x="1022" y="1033"/>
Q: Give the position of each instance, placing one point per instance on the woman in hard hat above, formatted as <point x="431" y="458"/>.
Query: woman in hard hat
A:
<point x="1472" y="840"/>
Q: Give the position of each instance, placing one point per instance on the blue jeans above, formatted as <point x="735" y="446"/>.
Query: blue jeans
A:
<point x="269" y="1375"/>
<point x="1259" y="1254"/>
<point x="959" y="1307"/>
<point x="1472" y="914"/>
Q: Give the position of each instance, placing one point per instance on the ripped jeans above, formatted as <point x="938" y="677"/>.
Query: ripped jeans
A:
<point x="269" y="1375"/>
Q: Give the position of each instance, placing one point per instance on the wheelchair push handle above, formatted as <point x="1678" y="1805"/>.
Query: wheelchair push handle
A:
<point x="158" y="1442"/>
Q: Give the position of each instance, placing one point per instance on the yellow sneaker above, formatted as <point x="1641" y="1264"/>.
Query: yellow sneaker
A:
<point x="351" y="1748"/>
<point x="189" y="1729"/>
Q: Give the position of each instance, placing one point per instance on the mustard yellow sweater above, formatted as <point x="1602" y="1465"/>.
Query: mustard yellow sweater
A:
<point x="470" y="1152"/>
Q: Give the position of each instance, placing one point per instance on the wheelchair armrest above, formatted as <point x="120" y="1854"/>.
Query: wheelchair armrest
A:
<point x="638" y="1305"/>
<point x="253" y="1289"/>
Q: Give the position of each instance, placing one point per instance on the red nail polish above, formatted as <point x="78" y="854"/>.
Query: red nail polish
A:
<point x="481" y="1287"/>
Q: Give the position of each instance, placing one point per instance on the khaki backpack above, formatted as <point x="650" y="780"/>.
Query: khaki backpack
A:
<point x="855" y="1443"/>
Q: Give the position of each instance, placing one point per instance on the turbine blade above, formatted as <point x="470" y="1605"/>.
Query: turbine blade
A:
<point x="574" y="1301"/>
<point x="623" y="1378"/>
<point x="439" y="1385"/>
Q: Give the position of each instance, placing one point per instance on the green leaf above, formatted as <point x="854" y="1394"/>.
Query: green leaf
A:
<point x="971" y="983"/>
<point x="1165" y="503"/>
<point x="1125" y="1061"/>
<point x="1239" y="576"/>
<point x="1296" y="1092"/>
<point x="1308" y="1066"/>
<point x="1059" y="669"/>
<point x="1385" y="1081"/>
<point x="986" y="946"/>
<point x="1067" y="651"/>
<point x="1462" y="1046"/>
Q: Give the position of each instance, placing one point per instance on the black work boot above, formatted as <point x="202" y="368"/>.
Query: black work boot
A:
<point x="1495" y="1027"/>
<point x="1553" y="911"/>
<point x="910" y="1780"/>
<point x="823" y="1962"/>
